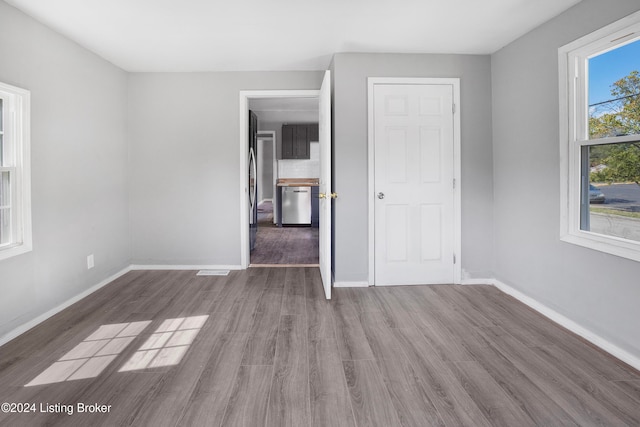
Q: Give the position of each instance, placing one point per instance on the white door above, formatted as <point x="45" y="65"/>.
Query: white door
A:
<point x="413" y="184"/>
<point x="324" y="128"/>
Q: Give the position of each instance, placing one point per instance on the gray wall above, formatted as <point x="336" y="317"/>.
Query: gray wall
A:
<point x="78" y="168"/>
<point x="351" y="71"/>
<point x="596" y="290"/>
<point x="185" y="162"/>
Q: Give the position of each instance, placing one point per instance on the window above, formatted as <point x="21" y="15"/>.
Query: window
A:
<point x="15" y="198"/>
<point x="600" y="139"/>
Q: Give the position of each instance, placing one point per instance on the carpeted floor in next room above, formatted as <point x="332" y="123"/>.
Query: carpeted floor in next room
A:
<point x="283" y="245"/>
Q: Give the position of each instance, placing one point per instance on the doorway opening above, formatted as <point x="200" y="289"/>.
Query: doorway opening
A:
<point x="325" y="195"/>
<point x="283" y="177"/>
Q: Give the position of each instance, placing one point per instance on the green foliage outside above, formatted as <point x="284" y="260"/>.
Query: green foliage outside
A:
<point x="621" y="161"/>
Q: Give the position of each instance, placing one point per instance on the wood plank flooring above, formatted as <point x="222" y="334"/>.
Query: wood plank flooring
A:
<point x="274" y="352"/>
<point x="283" y="245"/>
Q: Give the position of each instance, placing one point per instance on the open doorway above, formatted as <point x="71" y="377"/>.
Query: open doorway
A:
<point x="325" y="195"/>
<point x="287" y="172"/>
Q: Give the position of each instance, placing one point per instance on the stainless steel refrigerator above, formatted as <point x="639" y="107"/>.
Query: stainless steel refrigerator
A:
<point x="253" y="179"/>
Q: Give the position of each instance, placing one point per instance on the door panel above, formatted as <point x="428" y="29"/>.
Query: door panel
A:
<point x="324" y="129"/>
<point x="430" y="155"/>
<point x="397" y="219"/>
<point x="414" y="171"/>
<point x="397" y="154"/>
<point x="431" y="232"/>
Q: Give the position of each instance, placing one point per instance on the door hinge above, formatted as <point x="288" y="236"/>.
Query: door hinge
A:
<point x="453" y="108"/>
<point x="454" y="258"/>
<point x="454" y="183"/>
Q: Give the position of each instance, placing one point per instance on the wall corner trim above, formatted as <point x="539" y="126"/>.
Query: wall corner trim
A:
<point x="567" y="323"/>
<point x="34" y="322"/>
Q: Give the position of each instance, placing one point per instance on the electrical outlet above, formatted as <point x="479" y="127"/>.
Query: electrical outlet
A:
<point x="90" y="263"/>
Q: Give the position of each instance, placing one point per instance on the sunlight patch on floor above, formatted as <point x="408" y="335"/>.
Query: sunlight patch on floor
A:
<point x="89" y="358"/>
<point x="167" y="345"/>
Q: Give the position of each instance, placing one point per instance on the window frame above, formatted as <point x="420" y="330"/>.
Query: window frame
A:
<point x="16" y="141"/>
<point x="574" y="131"/>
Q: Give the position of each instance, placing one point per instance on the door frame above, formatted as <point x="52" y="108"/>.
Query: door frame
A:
<point x="244" y="97"/>
<point x="457" y="192"/>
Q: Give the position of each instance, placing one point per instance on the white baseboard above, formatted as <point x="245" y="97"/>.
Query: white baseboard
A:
<point x="477" y="282"/>
<point x="350" y="284"/>
<point x="34" y="322"/>
<point x="569" y="324"/>
<point x="184" y="267"/>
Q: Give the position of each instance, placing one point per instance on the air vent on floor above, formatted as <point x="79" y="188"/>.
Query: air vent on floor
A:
<point x="213" y="273"/>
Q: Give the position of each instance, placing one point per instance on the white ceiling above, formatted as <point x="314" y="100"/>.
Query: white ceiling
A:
<point x="262" y="35"/>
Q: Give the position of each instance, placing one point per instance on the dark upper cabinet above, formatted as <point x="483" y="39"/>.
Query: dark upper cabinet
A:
<point x="301" y="144"/>
<point x="288" y="138"/>
<point x="296" y="139"/>
<point x="312" y="132"/>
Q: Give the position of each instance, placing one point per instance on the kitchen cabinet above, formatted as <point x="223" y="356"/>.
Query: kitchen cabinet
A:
<point x="296" y="139"/>
<point x="313" y="132"/>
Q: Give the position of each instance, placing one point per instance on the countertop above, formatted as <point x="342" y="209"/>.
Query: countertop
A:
<point x="297" y="182"/>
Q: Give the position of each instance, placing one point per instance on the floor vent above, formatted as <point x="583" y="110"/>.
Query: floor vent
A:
<point x="213" y="273"/>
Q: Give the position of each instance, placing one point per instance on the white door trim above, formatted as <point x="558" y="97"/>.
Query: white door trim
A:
<point x="245" y="95"/>
<point x="457" y="212"/>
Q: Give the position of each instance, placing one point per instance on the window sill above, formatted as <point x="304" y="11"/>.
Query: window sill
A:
<point x="611" y="245"/>
<point x="10" y="251"/>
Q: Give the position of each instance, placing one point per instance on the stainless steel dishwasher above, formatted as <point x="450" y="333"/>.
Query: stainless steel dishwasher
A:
<point x="296" y="205"/>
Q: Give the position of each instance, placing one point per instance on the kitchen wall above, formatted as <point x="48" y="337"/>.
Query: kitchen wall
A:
<point x="598" y="291"/>
<point x="273" y="121"/>
<point x="185" y="162"/>
<point x="308" y="168"/>
<point x="351" y="71"/>
<point x="78" y="169"/>
<point x="266" y="122"/>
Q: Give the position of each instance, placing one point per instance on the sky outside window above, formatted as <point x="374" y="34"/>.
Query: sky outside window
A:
<point x="610" y="67"/>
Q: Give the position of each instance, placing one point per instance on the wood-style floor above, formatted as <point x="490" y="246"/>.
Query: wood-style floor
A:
<point x="283" y="245"/>
<point x="274" y="352"/>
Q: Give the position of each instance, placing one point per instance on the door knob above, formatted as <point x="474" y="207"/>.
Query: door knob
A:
<point x="381" y="196"/>
<point x="327" y="196"/>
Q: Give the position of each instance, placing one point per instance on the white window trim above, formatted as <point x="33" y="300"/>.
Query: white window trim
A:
<point x="574" y="130"/>
<point x="18" y="124"/>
